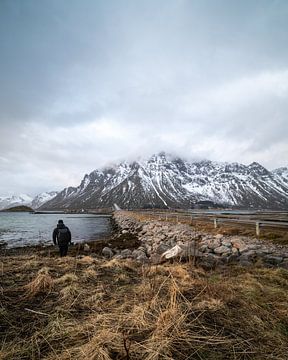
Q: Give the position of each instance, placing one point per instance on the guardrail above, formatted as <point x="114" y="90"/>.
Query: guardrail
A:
<point x="216" y="220"/>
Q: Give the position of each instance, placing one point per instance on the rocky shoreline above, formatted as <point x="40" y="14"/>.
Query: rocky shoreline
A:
<point x="159" y="241"/>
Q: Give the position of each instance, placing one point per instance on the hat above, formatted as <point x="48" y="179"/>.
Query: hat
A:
<point x="60" y="221"/>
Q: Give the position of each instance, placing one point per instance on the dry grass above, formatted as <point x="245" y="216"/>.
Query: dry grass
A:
<point x="122" y="310"/>
<point x="43" y="283"/>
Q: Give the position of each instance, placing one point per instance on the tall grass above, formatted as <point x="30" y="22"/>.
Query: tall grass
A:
<point x="123" y="310"/>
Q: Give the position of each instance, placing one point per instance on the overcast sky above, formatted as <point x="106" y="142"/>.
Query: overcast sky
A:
<point x="86" y="83"/>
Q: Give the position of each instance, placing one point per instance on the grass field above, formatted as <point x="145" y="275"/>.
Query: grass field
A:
<point x="89" y="308"/>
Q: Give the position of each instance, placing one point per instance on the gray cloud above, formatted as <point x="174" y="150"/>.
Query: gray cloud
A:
<point x="84" y="84"/>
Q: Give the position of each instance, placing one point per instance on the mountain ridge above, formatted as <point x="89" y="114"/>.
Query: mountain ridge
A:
<point x="26" y="200"/>
<point x="166" y="181"/>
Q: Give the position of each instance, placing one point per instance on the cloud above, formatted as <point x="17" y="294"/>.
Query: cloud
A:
<point x="85" y="84"/>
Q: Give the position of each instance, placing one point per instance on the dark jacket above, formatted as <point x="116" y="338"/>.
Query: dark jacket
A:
<point x="61" y="235"/>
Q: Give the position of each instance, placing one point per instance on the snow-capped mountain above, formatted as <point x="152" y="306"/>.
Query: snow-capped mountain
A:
<point x="15" y="200"/>
<point x="282" y="175"/>
<point x="42" y="198"/>
<point x="164" y="181"/>
<point x="23" y="199"/>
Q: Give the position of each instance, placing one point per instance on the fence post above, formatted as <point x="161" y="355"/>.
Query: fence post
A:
<point x="257" y="228"/>
<point x="215" y="223"/>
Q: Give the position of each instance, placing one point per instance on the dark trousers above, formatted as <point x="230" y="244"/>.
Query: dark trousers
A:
<point x="63" y="249"/>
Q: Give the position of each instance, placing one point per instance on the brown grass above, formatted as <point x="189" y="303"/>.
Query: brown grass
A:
<point x="42" y="283"/>
<point x="123" y="310"/>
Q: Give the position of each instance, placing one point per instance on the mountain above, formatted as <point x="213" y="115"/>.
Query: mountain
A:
<point x="281" y="175"/>
<point x="42" y="198"/>
<point x="15" y="200"/>
<point x="164" y="181"/>
<point x="26" y="200"/>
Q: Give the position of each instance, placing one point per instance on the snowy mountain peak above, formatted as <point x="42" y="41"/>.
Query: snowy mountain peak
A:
<point x="166" y="181"/>
<point x="15" y="200"/>
<point x="42" y="198"/>
<point x="258" y="169"/>
<point x="24" y="199"/>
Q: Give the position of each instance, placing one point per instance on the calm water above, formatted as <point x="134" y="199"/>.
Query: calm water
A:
<point x="20" y="229"/>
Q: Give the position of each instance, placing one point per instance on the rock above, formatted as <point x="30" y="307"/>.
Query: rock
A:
<point x="126" y="253"/>
<point x="182" y="251"/>
<point x="171" y="242"/>
<point x="204" y="248"/>
<point x="208" y="262"/>
<point x="262" y="253"/>
<point x="86" y="247"/>
<point x="162" y="248"/>
<point x="142" y="258"/>
<point x="253" y="247"/>
<point x="248" y="258"/>
<point x="213" y="244"/>
<point x="172" y="253"/>
<point x="284" y="264"/>
<point x="235" y="251"/>
<point x="239" y="244"/>
<point x="218" y="236"/>
<point x="245" y="263"/>
<point x="232" y="259"/>
<point x="118" y="257"/>
<point x="107" y="252"/>
<point x="273" y="260"/>
<point x="125" y="231"/>
<point x="227" y="243"/>
<point x="222" y="250"/>
<point x="137" y="252"/>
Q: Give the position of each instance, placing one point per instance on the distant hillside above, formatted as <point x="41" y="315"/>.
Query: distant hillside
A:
<point x="21" y="208"/>
<point x="7" y="202"/>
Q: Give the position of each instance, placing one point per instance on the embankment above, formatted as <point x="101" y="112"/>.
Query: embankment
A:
<point x="161" y="240"/>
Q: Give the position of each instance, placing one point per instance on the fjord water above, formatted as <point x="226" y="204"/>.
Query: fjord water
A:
<point x="21" y="229"/>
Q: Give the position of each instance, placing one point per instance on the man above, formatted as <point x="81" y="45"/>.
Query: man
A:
<point x="62" y="237"/>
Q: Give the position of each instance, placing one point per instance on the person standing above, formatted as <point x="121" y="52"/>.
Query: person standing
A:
<point x="62" y="237"/>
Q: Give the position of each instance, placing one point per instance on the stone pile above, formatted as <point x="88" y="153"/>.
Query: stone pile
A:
<point x="162" y="240"/>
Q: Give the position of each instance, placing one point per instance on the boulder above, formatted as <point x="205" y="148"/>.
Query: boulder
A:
<point x="218" y="236"/>
<point x="227" y="243"/>
<point x="222" y="250"/>
<point x="171" y="242"/>
<point x="235" y="251"/>
<point x="213" y="244"/>
<point x="239" y="244"/>
<point x="107" y="252"/>
<point x="162" y="248"/>
<point x="273" y="260"/>
<point x="172" y="253"/>
<point x="142" y="258"/>
<point x="138" y="253"/>
<point x="208" y="262"/>
<point x="86" y="247"/>
<point x="232" y="259"/>
<point x="181" y="251"/>
<point x="248" y="258"/>
<point x="126" y="253"/>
